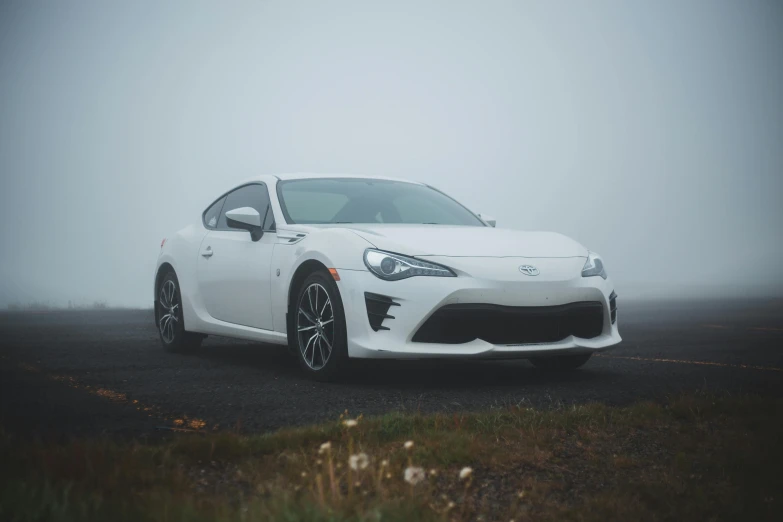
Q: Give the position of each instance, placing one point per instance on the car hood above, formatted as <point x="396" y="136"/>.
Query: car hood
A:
<point x="459" y="241"/>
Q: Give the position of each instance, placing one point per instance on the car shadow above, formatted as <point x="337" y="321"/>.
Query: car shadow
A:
<point x="419" y="374"/>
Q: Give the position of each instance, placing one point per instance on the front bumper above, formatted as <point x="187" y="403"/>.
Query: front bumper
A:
<point x="478" y="282"/>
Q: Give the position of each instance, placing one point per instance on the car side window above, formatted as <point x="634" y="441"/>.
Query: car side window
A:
<point x="269" y="223"/>
<point x="212" y="214"/>
<point x="254" y="196"/>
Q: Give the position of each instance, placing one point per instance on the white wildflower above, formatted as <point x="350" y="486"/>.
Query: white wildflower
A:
<point x="408" y="445"/>
<point x="359" y="461"/>
<point x="304" y="474"/>
<point x="350" y="423"/>
<point x="465" y="473"/>
<point x="326" y="446"/>
<point x="414" y="475"/>
<point x="433" y="472"/>
<point x="384" y="463"/>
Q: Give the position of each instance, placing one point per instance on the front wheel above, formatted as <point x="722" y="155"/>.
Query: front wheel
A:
<point x="169" y="317"/>
<point x="560" y="362"/>
<point x="318" y="333"/>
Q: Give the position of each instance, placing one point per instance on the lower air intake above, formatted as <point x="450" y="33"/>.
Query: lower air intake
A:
<point x="495" y="324"/>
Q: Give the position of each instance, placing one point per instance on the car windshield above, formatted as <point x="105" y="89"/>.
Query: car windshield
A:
<point x="350" y="200"/>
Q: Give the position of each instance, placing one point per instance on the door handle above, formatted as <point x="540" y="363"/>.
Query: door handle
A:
<point x="208" y="252"/>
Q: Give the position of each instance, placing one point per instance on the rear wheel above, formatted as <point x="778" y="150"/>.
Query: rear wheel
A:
<point x="318" y="332"/>
<point x="560" y="362"/>
<point x="169" y="318"/>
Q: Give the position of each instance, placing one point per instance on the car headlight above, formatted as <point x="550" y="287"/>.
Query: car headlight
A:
<point x="593" y="266"/>
<point x="393" y="267"/>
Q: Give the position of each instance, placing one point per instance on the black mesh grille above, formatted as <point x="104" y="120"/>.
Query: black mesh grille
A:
<point x="613" y="306"/>
<point x="462" y="323"/>
<point x="378" y="309"/>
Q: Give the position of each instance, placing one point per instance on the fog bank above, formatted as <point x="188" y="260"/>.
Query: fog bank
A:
<point x="650" y="132"/>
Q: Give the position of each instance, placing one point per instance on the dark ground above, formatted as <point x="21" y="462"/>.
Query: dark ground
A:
<point x="87" y="372"/>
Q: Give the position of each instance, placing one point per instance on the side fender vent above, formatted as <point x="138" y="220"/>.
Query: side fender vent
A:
<point x="289" y="237"/>
<point x="378" y="309"/>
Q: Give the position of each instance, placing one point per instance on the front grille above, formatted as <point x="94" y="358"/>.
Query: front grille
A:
<point x="378" y="309"/>
<point x="613" y="307"/>
<point x="495" y="324"/>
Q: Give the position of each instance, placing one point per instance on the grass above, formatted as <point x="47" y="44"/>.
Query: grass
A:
<point x="696" y="457"/>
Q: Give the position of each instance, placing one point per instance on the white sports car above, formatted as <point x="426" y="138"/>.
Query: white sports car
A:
<point x="342" y="267"/>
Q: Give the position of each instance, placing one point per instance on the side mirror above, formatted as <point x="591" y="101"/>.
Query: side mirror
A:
<point x="489" y="220"/>
<point x="246" y="218"/>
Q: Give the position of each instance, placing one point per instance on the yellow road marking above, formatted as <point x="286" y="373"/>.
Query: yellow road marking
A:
<point x="754" y="328"/>
<point x="115" y="396"/>
<point x="704" y="363"/>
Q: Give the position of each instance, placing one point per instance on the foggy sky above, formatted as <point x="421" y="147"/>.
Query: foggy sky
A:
<point x="651" y="132"/>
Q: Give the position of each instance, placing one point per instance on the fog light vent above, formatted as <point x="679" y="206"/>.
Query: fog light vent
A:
<point x="613" y="306"/>
<point x="378" y="309"/>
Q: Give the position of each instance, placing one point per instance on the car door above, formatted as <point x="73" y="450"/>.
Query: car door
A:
<point x="234" y="272"/>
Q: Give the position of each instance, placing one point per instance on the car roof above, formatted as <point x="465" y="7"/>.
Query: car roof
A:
<point x="314" y="175"/>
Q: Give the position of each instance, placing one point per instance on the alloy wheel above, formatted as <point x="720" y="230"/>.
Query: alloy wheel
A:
<point x="315" y="326"/>
<point x="169" y="307"/>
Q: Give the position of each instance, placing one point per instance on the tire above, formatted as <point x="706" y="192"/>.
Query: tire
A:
<point x="317" y="330"/>
<point x="560" y="362"/>
<point x="169" y="317"/>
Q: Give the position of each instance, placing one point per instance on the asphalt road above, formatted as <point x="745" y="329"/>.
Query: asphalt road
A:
<point x="89" y="372"/>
